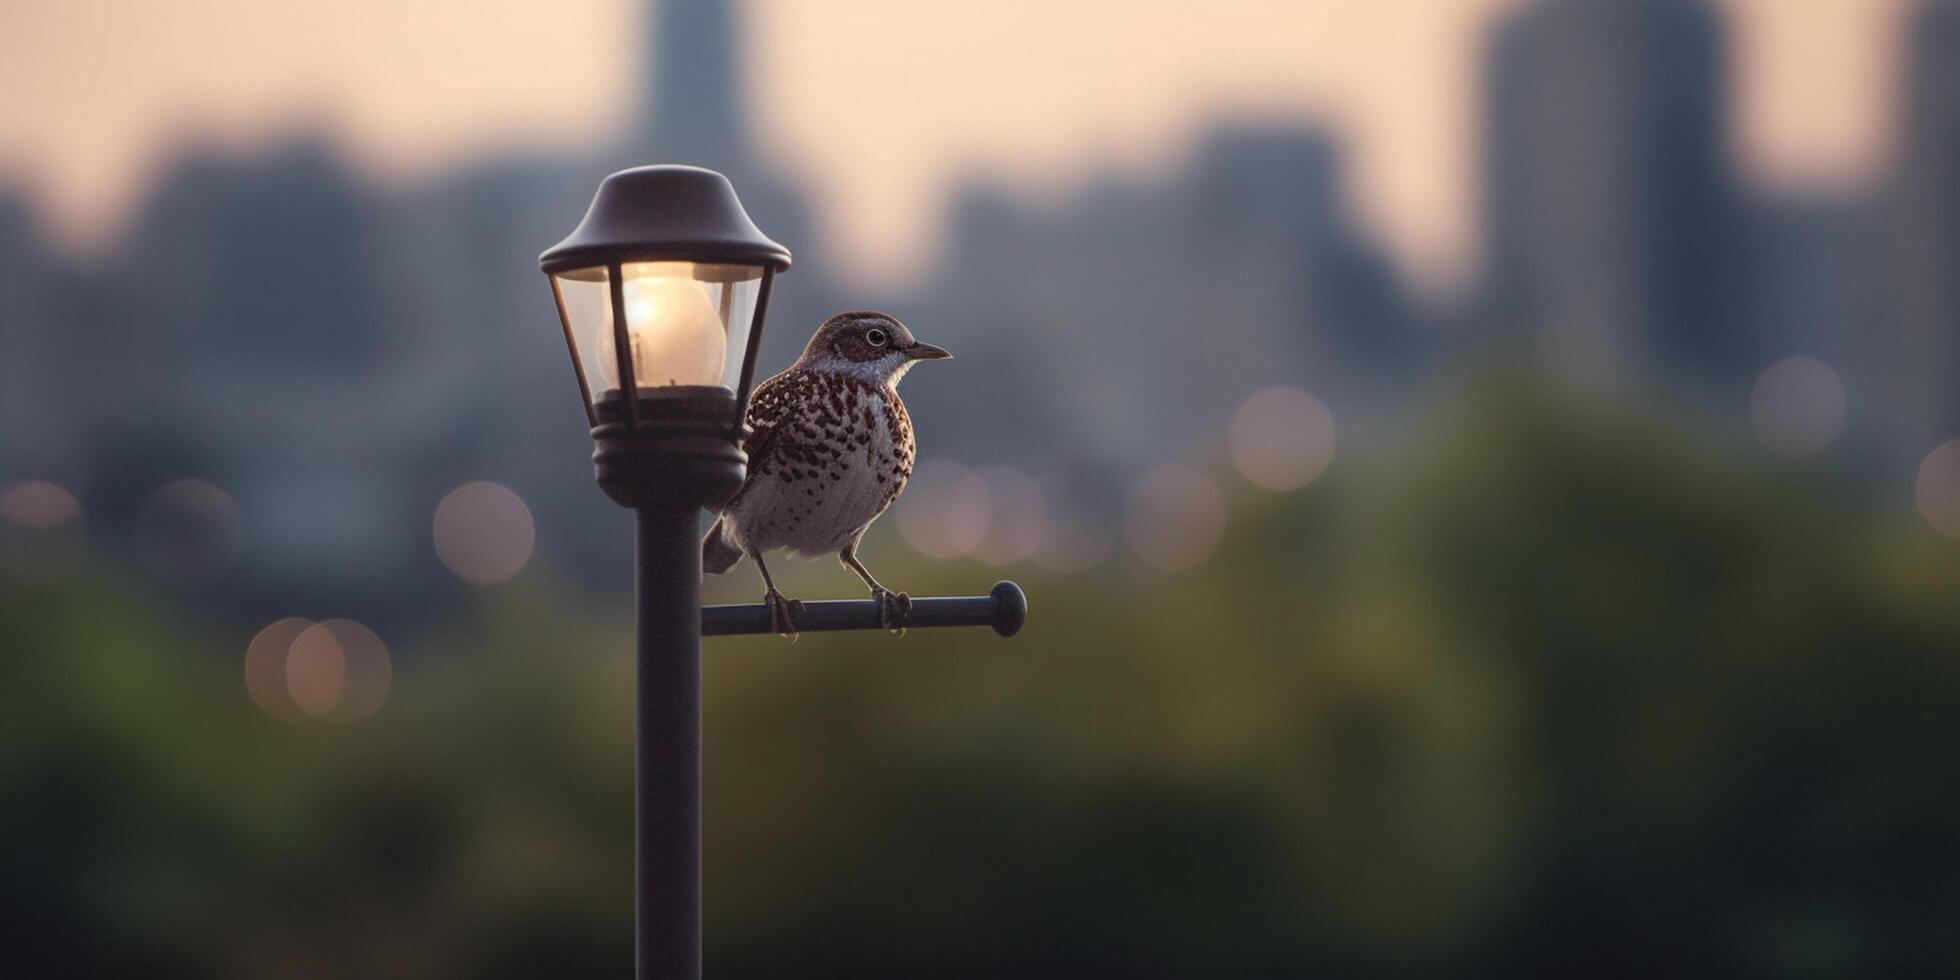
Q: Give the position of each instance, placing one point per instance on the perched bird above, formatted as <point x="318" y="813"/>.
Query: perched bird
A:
<point x="830" y="449"/>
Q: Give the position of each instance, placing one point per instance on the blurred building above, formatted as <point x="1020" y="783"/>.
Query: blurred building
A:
<point x="1122" y="324"/>
<point x="338" y="355"/>
<point x="1920" y="336"/>
<point x="695" y="108"/>
<point x="1808" y="279"/>
<point x="38" y="368"/>
<point x="1608" y="215"/>
<point x="262" y="326"/>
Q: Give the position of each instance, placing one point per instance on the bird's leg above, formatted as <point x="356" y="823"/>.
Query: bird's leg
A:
<point x="893" y="607"/>
<point x="782" y="611"/>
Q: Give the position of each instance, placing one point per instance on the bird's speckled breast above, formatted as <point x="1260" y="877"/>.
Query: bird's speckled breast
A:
<point x="829" y="453"/>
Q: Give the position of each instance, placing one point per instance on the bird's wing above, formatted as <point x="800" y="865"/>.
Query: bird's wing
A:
<point x="765" y="419"/>
<point x="772" y="437"/>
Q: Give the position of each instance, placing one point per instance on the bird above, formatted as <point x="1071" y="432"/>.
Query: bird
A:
<point x="830" y="447"/>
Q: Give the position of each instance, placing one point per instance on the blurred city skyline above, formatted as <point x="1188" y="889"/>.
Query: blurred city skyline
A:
<point x="1042" y="98"/>
<point x="295" y="361"/>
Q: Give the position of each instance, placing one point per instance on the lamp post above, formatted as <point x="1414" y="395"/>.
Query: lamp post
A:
<point x="662" y="291"/>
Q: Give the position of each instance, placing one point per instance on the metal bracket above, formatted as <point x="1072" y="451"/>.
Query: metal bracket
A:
<point x="1004" y="609"/>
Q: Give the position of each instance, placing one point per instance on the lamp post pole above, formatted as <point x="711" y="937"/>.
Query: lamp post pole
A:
<point x="680" y="457"/>
<point x="667" y="789"/>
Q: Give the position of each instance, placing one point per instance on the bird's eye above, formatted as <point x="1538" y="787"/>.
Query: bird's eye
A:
<point x="876" y="337"/>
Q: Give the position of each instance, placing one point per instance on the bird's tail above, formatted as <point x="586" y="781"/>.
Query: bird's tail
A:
<point x="717" y="555"/>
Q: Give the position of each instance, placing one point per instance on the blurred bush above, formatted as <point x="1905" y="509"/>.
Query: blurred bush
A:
<point x="1560" y="691"/>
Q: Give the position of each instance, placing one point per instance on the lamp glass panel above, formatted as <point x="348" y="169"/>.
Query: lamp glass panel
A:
<point x="585" y="296"/>
<point x="687" y="323"/>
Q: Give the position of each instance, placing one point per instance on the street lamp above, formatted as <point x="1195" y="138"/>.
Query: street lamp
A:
<point x="662" y="290"/>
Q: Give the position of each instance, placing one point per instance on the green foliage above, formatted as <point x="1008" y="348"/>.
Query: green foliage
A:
<point x="1555" y="691"/>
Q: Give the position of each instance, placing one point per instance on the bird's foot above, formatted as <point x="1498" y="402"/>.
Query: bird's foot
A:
<point x="893" y="608"/>
<point x="782" y="613"/>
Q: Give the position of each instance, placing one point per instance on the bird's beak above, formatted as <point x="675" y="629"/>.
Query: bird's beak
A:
<point x="927" y="352"/>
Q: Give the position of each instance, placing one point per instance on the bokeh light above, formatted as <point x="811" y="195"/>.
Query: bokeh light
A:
<point x="338" y="671"/>
<point x="316" y="672"/>
<point x="1282" y="438"/>
<point x="1938" y="489"/>
<point x="38" y="504"/>
<point x="484" y="533"/>
<point x="1797" y="407"/>
<point x="945" y="510"/>
<point x="1017" y="517"/>
<point x="189" y="532"/>
<point x="265" y="668"/>
<point x="43" y="538"/>
<point x="1175" y="518"/>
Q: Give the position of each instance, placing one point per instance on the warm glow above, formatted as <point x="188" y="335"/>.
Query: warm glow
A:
<point x="1175" y="518"/>
<point x="265" y="668"/>
<point x="1938" y="490"/>
<point x="338" y="671"/>
<point x="483" y="532"/>
<point x="1282" y="438"/>
<point x="675" y="316"/>
<point x="1797" y="407"/>
<point x="676" y="335"/>
<point x="316" y="671"/>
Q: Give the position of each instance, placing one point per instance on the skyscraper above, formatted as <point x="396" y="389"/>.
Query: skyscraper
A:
<point x="1607" y="202"/>
<point x="1921" y="278"/>
<point x="696" y="110"/>
<point x="38" y="361"/>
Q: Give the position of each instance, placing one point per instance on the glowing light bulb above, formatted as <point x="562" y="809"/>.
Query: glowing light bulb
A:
<point x="675" y="334"/>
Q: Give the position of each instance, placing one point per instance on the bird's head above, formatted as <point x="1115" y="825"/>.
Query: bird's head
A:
<point x="871" y="346"/>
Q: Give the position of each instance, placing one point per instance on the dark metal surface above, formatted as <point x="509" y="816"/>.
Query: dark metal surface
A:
<point x="1004" y="609"/>
<point x="665" y="212"/>
<point x="629" y="386"/>
<point x="684" y="450"/>
<point x="667" y="832"/>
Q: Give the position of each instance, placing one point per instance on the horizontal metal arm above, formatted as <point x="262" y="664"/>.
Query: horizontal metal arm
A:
<point x="1004" y="609"/>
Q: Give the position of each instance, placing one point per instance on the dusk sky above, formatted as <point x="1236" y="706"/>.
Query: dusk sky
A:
<point x="880" y="104"/>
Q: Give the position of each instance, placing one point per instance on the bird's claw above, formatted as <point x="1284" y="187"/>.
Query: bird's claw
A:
<point x="893" y="608"/>
<point x="782" y="614"/>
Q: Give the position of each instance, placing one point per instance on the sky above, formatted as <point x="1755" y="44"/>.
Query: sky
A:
<point x="881" y="106"/>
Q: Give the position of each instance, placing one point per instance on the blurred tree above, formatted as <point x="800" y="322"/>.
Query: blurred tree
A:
<point x="1561" y="693"/>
